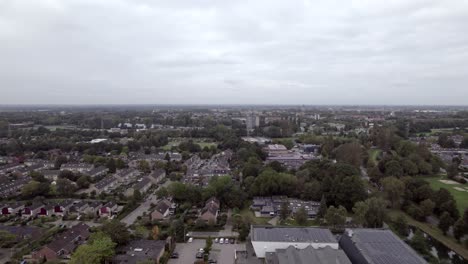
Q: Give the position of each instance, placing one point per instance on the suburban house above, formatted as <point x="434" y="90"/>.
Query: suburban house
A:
<point x="107" y="184"/>
<point x="77" y="167"/>
<point x="199" y="171"/>
<point x="31" y="210"/>
<point x="10" y="188"/>
<point x="369" y="246"/>
<point x="138" y="251"/>
<point x="268" y="239"/>
<point x="63" y="245"/>
<point x="209" y="213"/>
<point x="157" y="175"/>
<point x="97" y="172"/>
<point x="142" y="186"/>
<point x="63" y="207"/>
<point x="12" y="209"/>
<point x="271" y="206"/>
<point x="162" y="210"/>
<point x="292" y="255"/>
<point x="127" y="175"/>
<point x="51" y="175"/>
<point x="108" y="210"/>
<point x="10" y="167"/>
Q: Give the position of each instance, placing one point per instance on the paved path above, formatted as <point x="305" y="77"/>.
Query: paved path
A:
<point x="144" y="207"/>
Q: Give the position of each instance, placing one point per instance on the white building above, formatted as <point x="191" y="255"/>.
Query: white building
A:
<point x="267" y="239"/>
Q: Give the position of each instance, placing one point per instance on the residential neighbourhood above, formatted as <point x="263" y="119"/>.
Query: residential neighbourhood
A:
<point x="236" y="194"/>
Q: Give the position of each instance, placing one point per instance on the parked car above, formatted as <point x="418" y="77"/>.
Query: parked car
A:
<point x="199" y="255"/>
<point x="231" y="240"/>
<point x="216" y="240"/>
<point x="175" y="255"/>
<point x="221" y="240"/>
<point x="190" y="240"/>
<point x="201" y="250"/>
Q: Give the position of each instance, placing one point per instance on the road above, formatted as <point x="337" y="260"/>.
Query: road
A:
<point x="144" y="207"/>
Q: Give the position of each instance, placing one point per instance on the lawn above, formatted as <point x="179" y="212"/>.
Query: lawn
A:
<point x="175" y="143"/>
<point x="373" y="154"/>
<point x="460" y="196"/>
<point x="247" y="213"/>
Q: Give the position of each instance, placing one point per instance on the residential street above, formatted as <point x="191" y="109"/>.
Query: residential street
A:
<point x="144" y="207"/>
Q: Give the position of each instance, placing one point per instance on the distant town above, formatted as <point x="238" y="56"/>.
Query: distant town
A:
<point x="233" y="184"/>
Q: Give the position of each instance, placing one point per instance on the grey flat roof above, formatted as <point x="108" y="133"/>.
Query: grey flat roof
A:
<point x="381" y="246"/>
<point x="292" y="234"/>
<point x="307" y="255"/>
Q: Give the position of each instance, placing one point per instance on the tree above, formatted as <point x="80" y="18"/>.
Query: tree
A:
<point x="459" y="229"/>
<point x="418" y="242"/>
<point x="144" y="166"/>
<point x="445" y="222"/>
<point x="452" y="170"/>
<point x="208" y="245"/>
<point x="393" y="189"/>
<point x="377" y="212"/>
<point x="360" y="210"/>
<point x="427" y="207"/>
<point x="401" y="225"/>
<point x="117" y="231"/>
<point x="65" y="187"/>
<point x="284" y="211"/>
<point x="98" y="249"/>
<point x="322" y="211"/>
<point x="83" y="182"/>
<point x="155" y="232"/>
<point x="336" y="216"/>
<point x="350" y="153"/>
<point x="111" y="165"/>
<point x="393" y="168"/>
<point x="35" y="188"/>
<point x="59" y="161"/>
<point x="301" y="216"/>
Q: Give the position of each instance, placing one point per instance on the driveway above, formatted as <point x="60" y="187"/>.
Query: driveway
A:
<point x="223" y="253"/>
<point x="144" y="207"/>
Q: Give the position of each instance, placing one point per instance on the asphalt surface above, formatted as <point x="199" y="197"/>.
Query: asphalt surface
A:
<point x="223" y="253"/>
<point x="144" y="207"/>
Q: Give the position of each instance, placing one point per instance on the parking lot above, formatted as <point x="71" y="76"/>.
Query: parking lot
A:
<point x="223" y="253"/>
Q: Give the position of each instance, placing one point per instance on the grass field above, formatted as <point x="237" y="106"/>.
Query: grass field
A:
<point x="175" y="143"/>
<point x="247" y="213"/>
<point x="460" y="196"/>
<point x="373" y="154"/>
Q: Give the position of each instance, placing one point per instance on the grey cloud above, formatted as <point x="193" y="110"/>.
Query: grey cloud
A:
<point x="292" y="52"/>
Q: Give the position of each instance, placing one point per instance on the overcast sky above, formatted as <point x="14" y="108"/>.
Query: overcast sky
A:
<point x="235" y="52"/>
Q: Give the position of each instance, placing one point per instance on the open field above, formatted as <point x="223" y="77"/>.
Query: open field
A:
<point x="175" y="143"/>
<point x="247" y="213"/>
<point x="459" y="191"/>
<point x="435" y="232"/>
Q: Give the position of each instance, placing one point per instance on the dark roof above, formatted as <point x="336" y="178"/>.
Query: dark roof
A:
<point x="292" y="234"/>
<point x="67" y="239"/>
<point x="291" y="255"/>
<point x="139" y="250"/>
<point x="162" y="206"/>
<point x="381" y="246"/>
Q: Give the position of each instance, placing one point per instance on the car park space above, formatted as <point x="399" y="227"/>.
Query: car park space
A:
<point x="221" y="253"/>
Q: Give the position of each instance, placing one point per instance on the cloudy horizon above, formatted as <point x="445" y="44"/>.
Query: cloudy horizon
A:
<point x="234" y="52"/>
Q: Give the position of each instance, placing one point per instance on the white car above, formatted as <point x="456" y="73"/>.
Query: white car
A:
<point x="201" y="250"/>
<point x="221" y="240"/>
<point x="190" y="240"/>
<point x="216" y="240"/>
